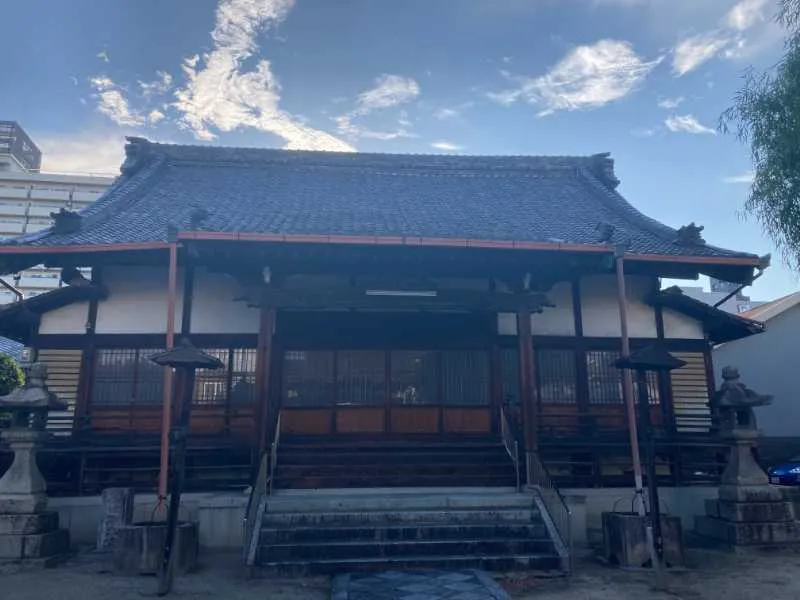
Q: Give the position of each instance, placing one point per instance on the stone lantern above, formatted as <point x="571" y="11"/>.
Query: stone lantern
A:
<point x="749" y="511"/>
<point x="28" y="531"/>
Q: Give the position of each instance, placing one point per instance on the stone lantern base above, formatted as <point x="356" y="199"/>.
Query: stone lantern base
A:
<point x="749" y="512"/>
<point x="29" y="533"/>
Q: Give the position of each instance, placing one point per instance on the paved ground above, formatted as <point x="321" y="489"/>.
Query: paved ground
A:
<point x="712" y="576"/>
<point x="431" y="585"/>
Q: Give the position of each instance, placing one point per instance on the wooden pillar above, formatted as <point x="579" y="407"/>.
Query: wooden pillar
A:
<point x="86" y="376"/>
<point x="166" y="410"/>
<point x="528" y="397"/>
<point x="266" y="408"/>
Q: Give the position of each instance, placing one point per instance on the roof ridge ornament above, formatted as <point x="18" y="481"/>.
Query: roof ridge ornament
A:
<point x="137" y="150"/>
<point x="66" y="221"/>
<point x="605" y="232"/>
<point x="689" y="235"/>
<point x="603" y="168"/>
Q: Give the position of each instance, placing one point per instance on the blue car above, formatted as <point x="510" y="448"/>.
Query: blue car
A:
<point x="786" y="474"/>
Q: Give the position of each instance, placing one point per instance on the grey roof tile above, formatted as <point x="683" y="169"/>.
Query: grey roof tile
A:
<point x="509" y="198"/>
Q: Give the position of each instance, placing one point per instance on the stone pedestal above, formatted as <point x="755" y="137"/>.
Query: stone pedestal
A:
<point x="29" y="533"/>
<point x="625" y="540"/>
<point x="749" y="512"/>
<point x="117" y="512"/>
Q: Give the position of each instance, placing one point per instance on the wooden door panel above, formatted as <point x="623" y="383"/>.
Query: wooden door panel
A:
<point x="423" y="420"/>
<point x="306" y="421"/>
<point x="467" y="420"/>
<point x="360" y="420"/>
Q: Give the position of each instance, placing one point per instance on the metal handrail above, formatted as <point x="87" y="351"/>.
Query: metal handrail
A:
<point x="559" y="513"/>
<point x="257" y="503"/>
<point x="511" y="443"/>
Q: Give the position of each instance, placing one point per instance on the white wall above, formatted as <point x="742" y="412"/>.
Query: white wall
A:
<point x="137" y="301"/>
<point x="601" y="310"/>
<point x="679" y="326"/>
<point x="67" y="319"/>
<point x="555" y="320"/>
<point x="214" y="309"/>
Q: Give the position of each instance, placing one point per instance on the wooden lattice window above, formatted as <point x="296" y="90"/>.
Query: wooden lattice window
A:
<point x="414" y="377"/>
<point x="125" y="376"/>
<point x="465" y="378"/>
<point x="63" y="375"/>
<point x="308" y="379"/>
<point x="690" y="394"/>
<point x="556" y="371"/>
<point x="360" y="377"/>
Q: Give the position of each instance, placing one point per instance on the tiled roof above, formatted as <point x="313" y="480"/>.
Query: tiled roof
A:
<point x="499" y="198"/>
<point x="770" y="310"/>
<point x="11" y="348"/>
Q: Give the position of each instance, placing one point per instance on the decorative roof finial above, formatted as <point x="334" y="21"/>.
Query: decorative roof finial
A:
<point x="66" y="221"/>
<point x="605" y="232"/>
<point x="197" y="217"/>
<point x="603" y="168"/>
<point x="136" y="152"/>
<point x="689" y="235"/>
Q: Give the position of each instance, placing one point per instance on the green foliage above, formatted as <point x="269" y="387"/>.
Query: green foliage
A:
<point x="766" y="115"/>
<point x="11" y="375"/>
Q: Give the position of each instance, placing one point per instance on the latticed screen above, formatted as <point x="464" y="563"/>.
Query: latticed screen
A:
<point x="360" y="377"/>
<point x="605" y="379"/>
<point x="414" y="377"/>
<point x="211" y="385"/>
<point x="63" y="375"/>
<point x="308" y="378"/>
<point x="465" y="378"/>
<point x="509" y="374"/>
<point x="125" y="376"/>
<point x="243" y="376"/>
<point x="557" y="376"/>
<point x="690" y="394"/>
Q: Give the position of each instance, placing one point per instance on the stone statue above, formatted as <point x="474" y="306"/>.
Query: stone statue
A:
<point x="29" y="404"/>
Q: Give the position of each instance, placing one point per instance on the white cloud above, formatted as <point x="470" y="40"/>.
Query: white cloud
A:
<point x="588" y="77"/>
<point x="93" y="152"/>
<point x="389" y="91"/>
<point x="692" y="52"/>
<point x="112" y="102"/>
<point x="160" y="85"/>
<point x="447" y="146"/>
<point x="446" y="113"/>
<point x="670" y="103"/>
<point x="220" y="95"/>
<point x="687" y="124"/>
<point x="103" y="56"/>
<point x="746" y="14"/>
<point x="645" y="132"/>
<point x="155" y="116"/>
<point x="746" y="178"/>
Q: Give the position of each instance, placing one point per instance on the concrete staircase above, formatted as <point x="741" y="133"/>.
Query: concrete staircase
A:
<point x="334" y="531"/>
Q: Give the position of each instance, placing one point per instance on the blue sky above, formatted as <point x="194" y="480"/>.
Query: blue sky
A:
<point x="643" y="79"/>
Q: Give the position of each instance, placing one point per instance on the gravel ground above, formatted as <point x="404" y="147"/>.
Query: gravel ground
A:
<point x="712" y="576"/>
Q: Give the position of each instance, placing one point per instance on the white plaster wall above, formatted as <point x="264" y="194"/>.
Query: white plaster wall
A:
<point x="555" y="320"/>
<point x="677" y="325"/>
<point x="137" y="301"/>
<point x="600" y="308"/>
<point x="214" y="309"/>
<point x="67" y="319"/>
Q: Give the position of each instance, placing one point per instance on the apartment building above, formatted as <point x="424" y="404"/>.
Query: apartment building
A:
<point x="27" y="197"/>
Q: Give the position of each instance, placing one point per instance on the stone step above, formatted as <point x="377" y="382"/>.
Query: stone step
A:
<point x="404" y="499"/>
<point x="417" y="457"/>
<point x="394" y="470"/>
<point x="748" y="534"/>
<point x="388" y="517"/>
<point x="504" y="562"/>
<point x="344" y="480"/>
<point x="365" y="550"/>
<point x="382" y="532"/>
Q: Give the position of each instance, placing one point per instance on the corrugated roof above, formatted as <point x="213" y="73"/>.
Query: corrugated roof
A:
<point x="770" y="310"/>
<point x="265" y="191"/>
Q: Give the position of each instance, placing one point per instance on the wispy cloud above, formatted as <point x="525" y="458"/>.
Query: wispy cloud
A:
<point x="746" y="14"/>
<point x="446" y="113"/>
<point x="103" y="56"/>
<point x="111" y="102"/>
<point x="447" y="146"/>
<point x="85" y="152"/>
<point x="588" y="77"/>
<point x="727" y="41"/>
<point x="220" y="94"/>
<point x="692" y="52"/>
<point x="155" y="116"/>
<point x="160" y="85"/>
<point x="744" y="178"/>
<point x="645" y="132"/>
<point x="389" y="91"/>
<point x="670" y="103"/>
<point x="687" y="124"/>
